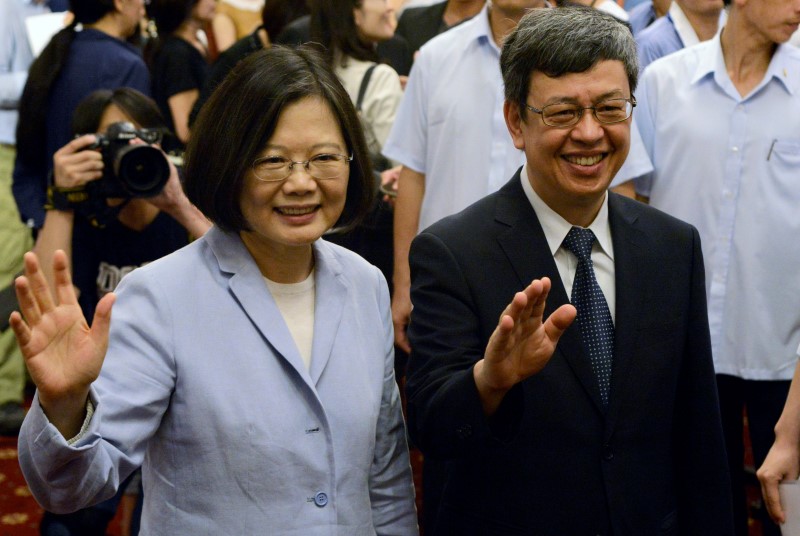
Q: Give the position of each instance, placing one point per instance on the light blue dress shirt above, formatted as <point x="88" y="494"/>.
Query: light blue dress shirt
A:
<point x="450" y="124"/>
<point x="15" y="59"/>
<point x="730" y="165"/>
<point x="657" y="40"/>
<point x="204" y="385"/>
<point x="641" y="16"/>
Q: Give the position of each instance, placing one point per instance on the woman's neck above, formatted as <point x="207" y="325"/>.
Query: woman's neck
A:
<point x="278" y="263"/>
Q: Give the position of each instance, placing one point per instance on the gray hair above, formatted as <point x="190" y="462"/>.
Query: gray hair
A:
<point x="564" y="40"/>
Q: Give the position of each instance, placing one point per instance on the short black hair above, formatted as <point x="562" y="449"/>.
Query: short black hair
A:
<point x="240" y="117"/>
<point x="569" y="39"/>
<point x="140" y="108"/>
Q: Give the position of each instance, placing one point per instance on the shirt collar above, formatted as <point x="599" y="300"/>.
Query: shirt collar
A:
<point x="480" y="30"/>
<point x="784" y="65"/>
<point x="556" y="228"/>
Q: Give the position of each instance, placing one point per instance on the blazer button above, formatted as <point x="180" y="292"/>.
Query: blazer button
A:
<point x="321" y="499"/>
<point x="608" y="454"/>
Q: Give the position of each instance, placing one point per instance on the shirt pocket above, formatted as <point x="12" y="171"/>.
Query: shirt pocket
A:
<point x="783" y="162"/>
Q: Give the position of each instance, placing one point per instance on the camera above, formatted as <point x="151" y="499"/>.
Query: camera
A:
<point x="130" y="170"/>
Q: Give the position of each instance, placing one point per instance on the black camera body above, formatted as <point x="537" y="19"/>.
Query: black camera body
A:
<point x="129" y="170"/>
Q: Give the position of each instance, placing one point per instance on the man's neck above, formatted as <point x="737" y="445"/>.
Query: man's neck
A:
<point x="459" y="10"/>
<point x="108" y="25"/>
<point x="747" y="53"/>
<point x="502" y="22"/>
<point x="705" y="24"/>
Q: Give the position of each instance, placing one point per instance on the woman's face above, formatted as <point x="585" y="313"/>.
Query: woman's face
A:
<point x="204" y="10"/>
<point x="298" y="210"/>
<point x="374" y="20"/>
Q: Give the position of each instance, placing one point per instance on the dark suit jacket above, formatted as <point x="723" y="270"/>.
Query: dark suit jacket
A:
<point x="418" y="25"/>
<point x="551" y="462"/>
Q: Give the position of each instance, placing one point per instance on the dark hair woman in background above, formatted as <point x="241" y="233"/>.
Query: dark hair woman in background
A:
<point x="178" y="59"/>
<point x="251" y="372"/>
<point x="91" y="53"/>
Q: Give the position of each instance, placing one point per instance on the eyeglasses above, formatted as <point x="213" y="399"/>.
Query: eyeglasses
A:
<point x="608" y="112"/>
<point x="321" y="167"/>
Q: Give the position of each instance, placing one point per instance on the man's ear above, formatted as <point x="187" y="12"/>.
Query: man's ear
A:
<point x="514" y="122"/>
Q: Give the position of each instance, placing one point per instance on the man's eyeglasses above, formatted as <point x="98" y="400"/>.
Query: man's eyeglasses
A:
<point x="562" y="115"/>
<point x="320" y="167"/>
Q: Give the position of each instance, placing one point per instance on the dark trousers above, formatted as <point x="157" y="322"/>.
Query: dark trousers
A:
<point x="762" y="402"/>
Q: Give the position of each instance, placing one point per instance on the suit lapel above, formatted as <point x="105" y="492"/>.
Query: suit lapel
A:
<point x="331" y="286"/>
<point x="527" y="250"/>
<point x="630" y="260"/>
<point x="247" y="285"/>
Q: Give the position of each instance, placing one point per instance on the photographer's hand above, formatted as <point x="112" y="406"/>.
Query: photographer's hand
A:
<point x="174" y="202"/>
<point x="63" y="354"/>
<point x="73" y="165"/>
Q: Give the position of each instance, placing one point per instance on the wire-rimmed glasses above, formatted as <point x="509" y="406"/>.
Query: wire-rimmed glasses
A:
<point x="565" y="114"/>
<point x="321" y="167"/>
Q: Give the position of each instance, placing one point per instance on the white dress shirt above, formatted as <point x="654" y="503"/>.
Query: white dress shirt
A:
<point x="555" y="231"/>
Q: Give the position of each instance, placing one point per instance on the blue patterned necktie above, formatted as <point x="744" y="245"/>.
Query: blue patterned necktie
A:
<point x="594" y="317"/>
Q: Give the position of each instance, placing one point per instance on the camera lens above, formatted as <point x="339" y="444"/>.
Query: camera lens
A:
<point x="142" y="170"/>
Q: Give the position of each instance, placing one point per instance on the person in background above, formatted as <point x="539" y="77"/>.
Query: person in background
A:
<point x="606" y="423"/>
<point x="178" y="58"/>
<point x="645" y="13"/>
<point x="418" y="25"/>
<point x="276" y="15"/>
<point x="782" y="463"/>
<point x="235" y="19"/>
<point x="719" y="123"/>
<point x="76" y="61"/>
<point x="251" y="372"/>
<point x="688" y="22"/>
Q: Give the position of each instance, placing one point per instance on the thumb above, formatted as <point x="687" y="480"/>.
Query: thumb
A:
<point x="559" y="321"/>
<point x="101" y="322"/>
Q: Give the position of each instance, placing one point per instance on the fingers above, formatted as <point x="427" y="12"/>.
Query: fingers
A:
<point x="400" y="337"/>
<point x="74" y="166"/>
<point x="772" y="499"/>
<point x="27" y="303"/>
<point x="21" y="330"/>
<point x="65" y="291"/>
<point x="38" y="283"/>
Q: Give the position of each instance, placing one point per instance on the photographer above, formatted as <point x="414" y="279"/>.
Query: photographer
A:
<point x="138" y="230"/>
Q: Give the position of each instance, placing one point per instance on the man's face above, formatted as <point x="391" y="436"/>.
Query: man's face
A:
<point x="570" y="168"/>
<point x="702" y="7"/>
<point x="772" y="20"/>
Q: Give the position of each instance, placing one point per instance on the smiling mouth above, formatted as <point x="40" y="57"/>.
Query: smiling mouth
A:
<point x="584" y="160"/>
<point x="295" y="211"/>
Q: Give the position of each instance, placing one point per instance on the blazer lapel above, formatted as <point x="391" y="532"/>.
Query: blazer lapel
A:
<point x="527" y="250"/>
<point x="247" y="285"/>
<point x="630" y="258"/>
<point x="331" y="299"/>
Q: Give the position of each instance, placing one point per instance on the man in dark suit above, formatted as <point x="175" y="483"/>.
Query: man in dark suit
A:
<point x="418" y="25"/>
<point x="548" y="424"/>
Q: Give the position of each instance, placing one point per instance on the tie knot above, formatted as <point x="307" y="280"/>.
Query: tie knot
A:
<point x="579" y="241"/>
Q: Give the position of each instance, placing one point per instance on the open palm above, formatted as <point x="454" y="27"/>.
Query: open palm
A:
<point x="63" y="354"/>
